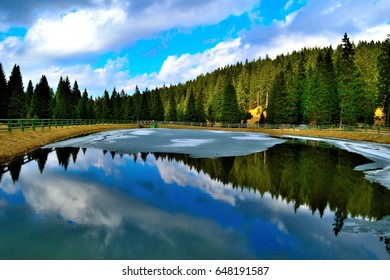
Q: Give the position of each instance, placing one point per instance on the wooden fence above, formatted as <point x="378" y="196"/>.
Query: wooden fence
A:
<point x="13" y="124"/>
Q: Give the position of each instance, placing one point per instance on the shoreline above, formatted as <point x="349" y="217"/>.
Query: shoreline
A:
<point x="19" y="143"/>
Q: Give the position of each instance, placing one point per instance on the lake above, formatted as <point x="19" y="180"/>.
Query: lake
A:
<point x="196" y="194"/>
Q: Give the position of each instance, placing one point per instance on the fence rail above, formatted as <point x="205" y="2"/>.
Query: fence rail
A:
<point x="21" y="124"/>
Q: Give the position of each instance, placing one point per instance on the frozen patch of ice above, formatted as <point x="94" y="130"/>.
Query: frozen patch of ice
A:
<point x="251" y="136"/>
<point x="181" y="143"/>
<point x="142" y="132"/>
<point x="377" y="171"/>
<point x="196" y="143"/>
<point x="379" y="228"/>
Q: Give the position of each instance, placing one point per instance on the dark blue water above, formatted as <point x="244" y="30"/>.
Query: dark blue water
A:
<point x="292" y="201"/>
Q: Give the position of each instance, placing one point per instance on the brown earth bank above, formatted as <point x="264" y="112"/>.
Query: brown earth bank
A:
<point x="18" y="143"/>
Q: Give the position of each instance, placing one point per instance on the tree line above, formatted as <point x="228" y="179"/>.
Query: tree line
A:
<point x="314" y="85"/>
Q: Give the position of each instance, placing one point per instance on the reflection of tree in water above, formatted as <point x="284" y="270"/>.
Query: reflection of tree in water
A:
<point x="386" y="241"/>
<point x="14" y="167"/>
<point x="301" y="174"/>
<point x="339" y="218"/>
<point x="2" y="168"/>
<point x="40" y="156"/>
<point x="64" y="155"/>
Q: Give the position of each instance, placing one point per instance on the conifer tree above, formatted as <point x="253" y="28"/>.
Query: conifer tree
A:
<point x="384" y="78"/>
<point x="30" y="100"/>
<point x="230" y="109"/>
<point x="277" y="100"/>
<point x="106" y="108"/>
<point x="347" y="77"/>
<point x="190" y="110"/>
<point x="171" y="112"/>
<point x="17" y="102"/>
<point x="42" y="99"/>
<point x="83" y="104"/>
<point x="4" y="94"/>
<point x="156" y="106"/>
<point x="145" y="106"/>
<point x="75" y="99"/>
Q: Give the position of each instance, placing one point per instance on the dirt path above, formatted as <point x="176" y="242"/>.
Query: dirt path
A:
<point x="18" y="143"/>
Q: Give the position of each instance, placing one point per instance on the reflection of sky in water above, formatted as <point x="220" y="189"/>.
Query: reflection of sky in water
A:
<point x="159" y="208"/>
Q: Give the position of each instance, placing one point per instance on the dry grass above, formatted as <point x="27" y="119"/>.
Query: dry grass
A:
<point x="18" y="143"/>
<point x="360" y="136"/>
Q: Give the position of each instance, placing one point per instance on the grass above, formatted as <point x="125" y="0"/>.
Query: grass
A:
<point x="18" y="143"/>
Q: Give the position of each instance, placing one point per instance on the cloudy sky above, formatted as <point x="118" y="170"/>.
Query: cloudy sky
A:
<point x="112" y="43"/>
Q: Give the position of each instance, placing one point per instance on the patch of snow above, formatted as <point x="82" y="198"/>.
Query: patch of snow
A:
<point x="181" y="143"/>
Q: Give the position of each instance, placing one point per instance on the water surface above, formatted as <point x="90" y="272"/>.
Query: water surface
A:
<point x="266" y="199"/>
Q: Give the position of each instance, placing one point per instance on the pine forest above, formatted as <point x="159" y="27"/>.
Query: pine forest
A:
<point x="322" y="86"/>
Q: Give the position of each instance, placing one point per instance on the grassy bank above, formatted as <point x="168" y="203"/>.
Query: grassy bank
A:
<point x="359" y="136"/>
<point x="18" y="143"/>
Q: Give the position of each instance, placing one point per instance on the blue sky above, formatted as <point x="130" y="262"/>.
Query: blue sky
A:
<point x="111" y="43"/>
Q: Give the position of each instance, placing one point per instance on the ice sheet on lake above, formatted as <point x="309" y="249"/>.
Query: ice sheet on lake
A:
<point x="197" y="143"/>
<point x="377" y="171"/>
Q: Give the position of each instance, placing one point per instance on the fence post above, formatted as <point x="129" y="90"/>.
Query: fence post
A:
<point x="22" y="125"/>
<point x="33" y="124"/>
<point x="9" y="126"/>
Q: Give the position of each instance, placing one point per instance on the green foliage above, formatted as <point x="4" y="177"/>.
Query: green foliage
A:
<point x="17" y="103"/>
<point x="315" y="85"/>
<point x="230" y="109"/>
<point x="384" y="78"/>
<point x="41" y="101"/>
<point x="190" y="110"/>
<point x="277" y="102"/>
<point x="4" y="94"/>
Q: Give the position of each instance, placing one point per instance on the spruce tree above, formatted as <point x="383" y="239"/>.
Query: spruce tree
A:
<point x="83" y="104"/>
<point x="277" y="100"/>
<point x="75" y="99"/>
<point x="4" y="94"/>
<point x="106" y="107"/>
<point x="171" y="112"/>
<point x="230" y="109"/>
<point x="190" y="110"/>
<point x="347" y="78"/>
<point x="384" y="79"/>
<point x="17" y="102"/>
<point x="30" y="100"/>
<point x="42" y="96"/>
<point x="156" y="106"/>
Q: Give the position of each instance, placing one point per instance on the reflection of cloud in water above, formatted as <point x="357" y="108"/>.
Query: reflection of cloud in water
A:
<point x="184" y="175"/>
<point x="7" y="185"/>
<point x="93" y="204"/>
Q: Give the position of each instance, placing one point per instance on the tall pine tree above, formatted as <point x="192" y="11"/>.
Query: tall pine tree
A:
<point x="4" y="94"/>
<point x="347" y="79"/>
<point x="277" y="100"/>
<point x="17" y="102"/>
<point x="384" y="78"/>
<point x="42" y="96"/>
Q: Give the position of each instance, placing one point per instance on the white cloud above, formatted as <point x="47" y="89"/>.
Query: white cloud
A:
<point x="78" y="32"/>
<point x="102" y="28"/>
